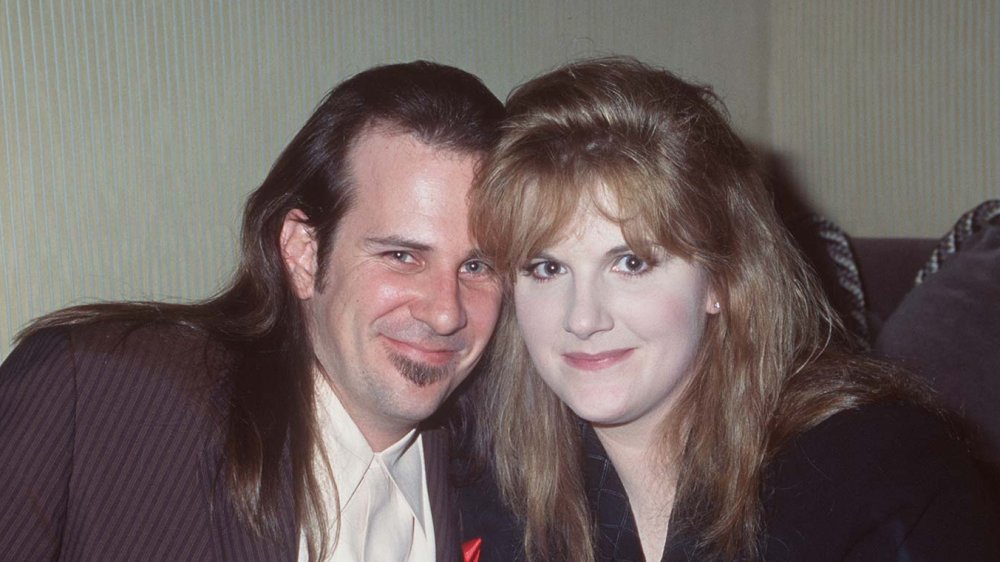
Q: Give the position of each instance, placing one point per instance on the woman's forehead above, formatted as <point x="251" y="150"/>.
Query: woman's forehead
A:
<point x="590" y="216"/>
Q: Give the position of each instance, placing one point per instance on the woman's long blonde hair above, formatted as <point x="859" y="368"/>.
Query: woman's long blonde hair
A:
<point x="768" y="367"/>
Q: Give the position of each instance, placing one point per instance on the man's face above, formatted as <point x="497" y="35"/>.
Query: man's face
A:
<point x="406" y="307"/>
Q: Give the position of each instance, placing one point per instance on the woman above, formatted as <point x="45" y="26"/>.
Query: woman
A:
<point x="673" y="386"/>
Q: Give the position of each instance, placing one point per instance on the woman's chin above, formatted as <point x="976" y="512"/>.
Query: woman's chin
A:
<point x="601" y="412"/>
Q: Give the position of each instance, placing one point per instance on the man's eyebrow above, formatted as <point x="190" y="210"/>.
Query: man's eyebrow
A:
<point x="397" y="242"/>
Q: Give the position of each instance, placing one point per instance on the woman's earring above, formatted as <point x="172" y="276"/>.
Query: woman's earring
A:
<point x="717" y="305"/>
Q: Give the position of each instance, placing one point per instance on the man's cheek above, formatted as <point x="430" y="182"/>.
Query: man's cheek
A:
<point x="484" y="308"/>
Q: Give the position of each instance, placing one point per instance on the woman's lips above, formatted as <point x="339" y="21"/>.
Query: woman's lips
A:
<point x="597" y="361"/>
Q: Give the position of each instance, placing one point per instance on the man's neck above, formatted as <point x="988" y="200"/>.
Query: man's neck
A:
<point x="380" y="434"/>
<point x="380" y="440"/>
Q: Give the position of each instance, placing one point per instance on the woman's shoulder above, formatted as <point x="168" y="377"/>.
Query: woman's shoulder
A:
<point x="884" y="478"/>
<point x="900" y="428"/>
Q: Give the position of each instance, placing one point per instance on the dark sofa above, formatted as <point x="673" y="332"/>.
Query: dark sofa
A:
<point x="888" y="267"/>
<point x="931" y="305"/>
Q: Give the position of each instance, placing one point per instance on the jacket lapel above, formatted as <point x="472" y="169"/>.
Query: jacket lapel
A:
<point x="617" y="534"/>
<point x="442" y="495"/>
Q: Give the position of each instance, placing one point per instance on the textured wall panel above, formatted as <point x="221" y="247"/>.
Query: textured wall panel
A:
<point x="886" y="111"/>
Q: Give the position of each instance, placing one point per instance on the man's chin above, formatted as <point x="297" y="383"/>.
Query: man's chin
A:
<point x="422" y="374"/>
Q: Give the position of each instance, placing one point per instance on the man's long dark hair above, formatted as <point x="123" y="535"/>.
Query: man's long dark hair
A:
<point x="257" y="318"/>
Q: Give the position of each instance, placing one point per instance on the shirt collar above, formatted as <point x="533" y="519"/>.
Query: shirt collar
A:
<point x="405" y="461"/>
<point x="350" y="454"/>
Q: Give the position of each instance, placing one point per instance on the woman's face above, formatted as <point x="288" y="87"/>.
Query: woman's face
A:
<point x="614" y="335"/>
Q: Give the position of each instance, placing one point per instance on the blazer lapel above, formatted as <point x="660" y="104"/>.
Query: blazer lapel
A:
<point x="617" y="534"/>
<point x="442" y="495"/>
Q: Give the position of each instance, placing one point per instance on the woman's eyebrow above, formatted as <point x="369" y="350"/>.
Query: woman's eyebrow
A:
<point x="624" y="248"/>
<point x="543" y="256"/>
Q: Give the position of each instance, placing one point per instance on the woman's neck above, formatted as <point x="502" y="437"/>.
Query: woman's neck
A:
<point x="647" y="472"/>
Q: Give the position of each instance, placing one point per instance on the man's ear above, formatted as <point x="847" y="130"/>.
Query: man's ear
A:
<point x="299" y="253"/>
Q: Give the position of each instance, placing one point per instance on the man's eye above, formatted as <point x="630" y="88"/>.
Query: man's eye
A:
<point x="401" y="256"/>
<point x="475" y="267"/>
<point x="545" y="269"/>
<point x="631" y="264"/>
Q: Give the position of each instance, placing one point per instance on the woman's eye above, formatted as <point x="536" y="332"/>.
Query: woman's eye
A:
<point x="631" y="264"/>
<point x="545" y="269"/>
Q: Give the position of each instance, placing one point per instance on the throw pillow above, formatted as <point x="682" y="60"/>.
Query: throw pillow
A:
<point x="947" y="329"/>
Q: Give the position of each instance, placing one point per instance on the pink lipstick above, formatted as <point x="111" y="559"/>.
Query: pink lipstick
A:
<point x="597" y="361"/>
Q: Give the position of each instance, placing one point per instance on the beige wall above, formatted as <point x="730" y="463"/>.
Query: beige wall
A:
<point x="131" y="132"/>
<point x="886" y="110"/>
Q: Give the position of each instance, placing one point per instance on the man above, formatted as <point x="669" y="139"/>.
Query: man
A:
<point x="281" y="420"/>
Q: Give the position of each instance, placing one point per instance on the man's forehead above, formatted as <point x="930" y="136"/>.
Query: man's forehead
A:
<point x="389" y="160"/>
<point x="385" y="133"/>
<point x="408" y="194"/>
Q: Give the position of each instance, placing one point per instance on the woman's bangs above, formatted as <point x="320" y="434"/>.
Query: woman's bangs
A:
<point x="547" y="204"/>
<point x="636" y="201"/>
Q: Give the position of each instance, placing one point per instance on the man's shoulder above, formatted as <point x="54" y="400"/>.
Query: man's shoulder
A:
<point x="97" y="424"/>
<point x="159" y="340"/>
<point x="114" y="358"/>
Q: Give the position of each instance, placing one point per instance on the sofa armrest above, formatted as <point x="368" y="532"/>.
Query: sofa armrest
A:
<point x="888" y="268"/>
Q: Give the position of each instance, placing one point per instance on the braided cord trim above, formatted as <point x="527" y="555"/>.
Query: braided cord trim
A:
<point x="967" y="225"/>
<point x="838" y="248"/>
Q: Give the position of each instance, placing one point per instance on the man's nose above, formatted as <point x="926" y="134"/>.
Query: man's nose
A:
<point x="440" y="304"/>
<point x="586" y="313"/>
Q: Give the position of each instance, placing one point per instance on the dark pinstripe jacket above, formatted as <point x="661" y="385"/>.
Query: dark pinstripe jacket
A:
<point x="109" y="448"/>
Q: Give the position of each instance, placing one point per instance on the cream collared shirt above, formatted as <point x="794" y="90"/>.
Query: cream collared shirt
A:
<point x="351" y="458"/>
